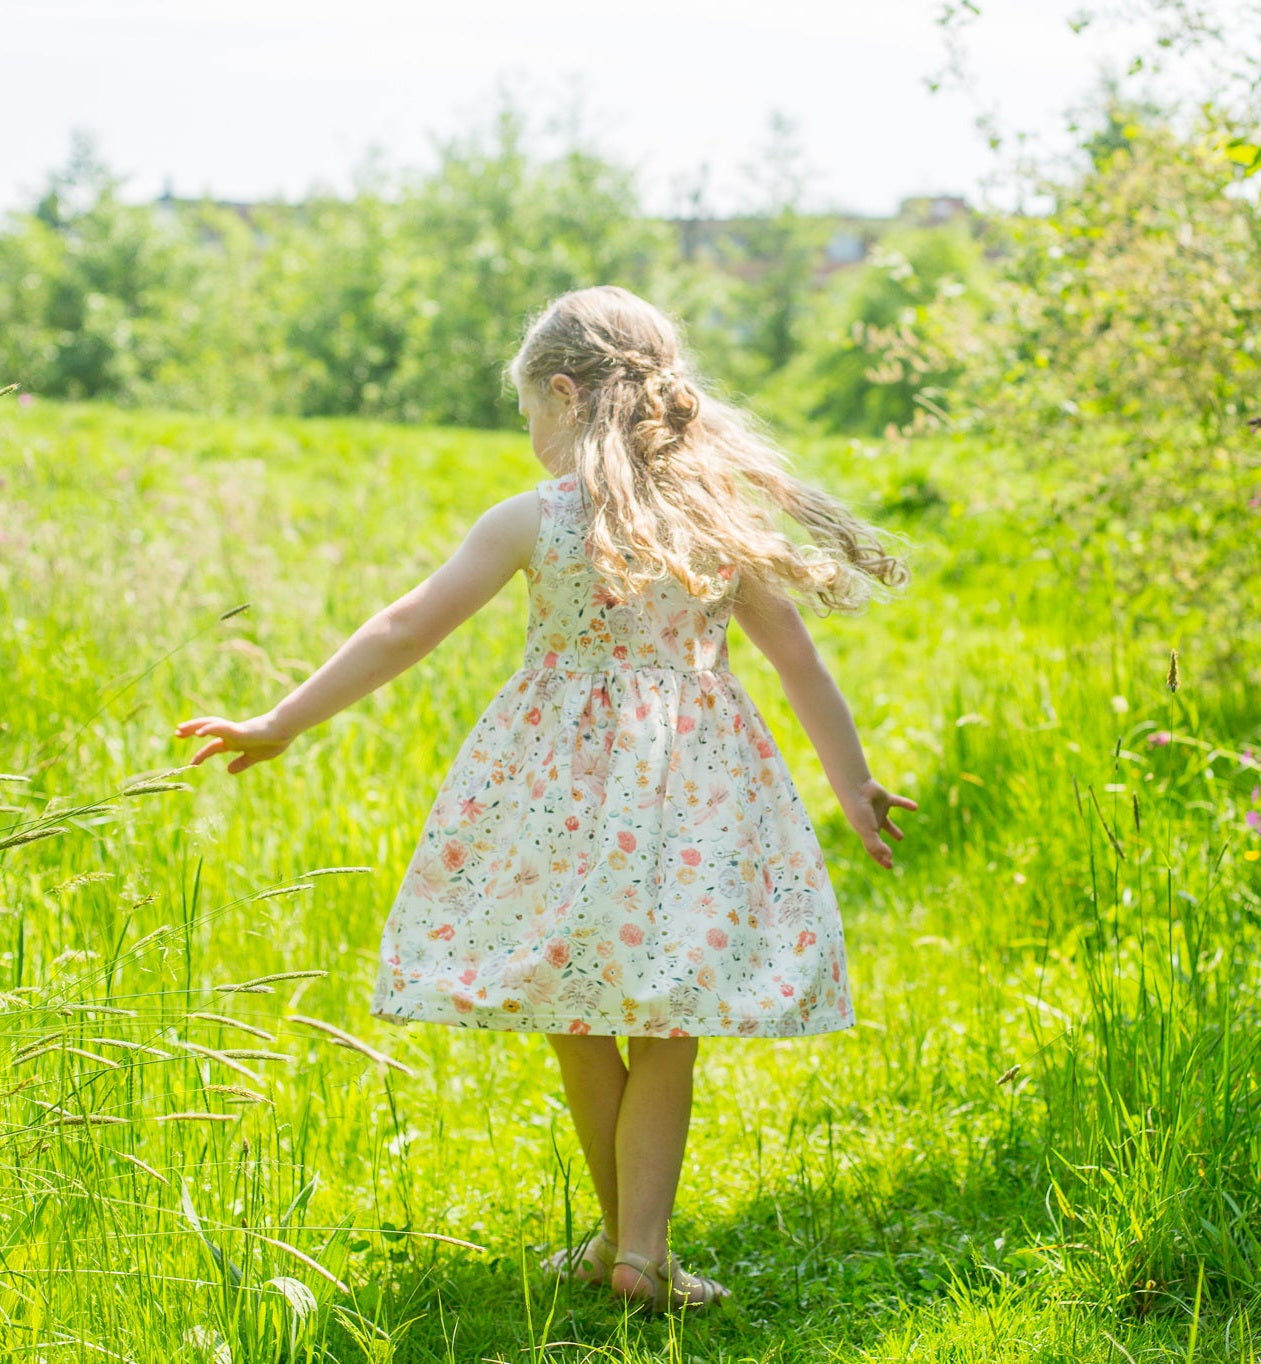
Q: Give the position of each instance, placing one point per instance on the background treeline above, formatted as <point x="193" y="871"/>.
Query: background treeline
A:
<point x="403" y="300"/>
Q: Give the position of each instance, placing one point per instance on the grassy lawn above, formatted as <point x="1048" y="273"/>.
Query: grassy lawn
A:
<point x="1041" y="1142"/>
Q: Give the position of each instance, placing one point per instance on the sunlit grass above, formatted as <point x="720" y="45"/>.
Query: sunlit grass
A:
<point x="1041" y="1141"/>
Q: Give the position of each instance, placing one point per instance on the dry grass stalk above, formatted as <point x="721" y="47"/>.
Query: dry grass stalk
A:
<point x="131" y="1046"/>
<point x="231" y="1062"/>
<point x="235" y="1023"/>
<point x="249" y="1095"/>
<point x="278" y="975"/>
<point x="64" y="1115"/>
<point x="82" y="879"/>
<point x="99" y="1009"/>
<point x="92" y="1056"/>
<point x="35" y="1049"/>
<point x="345" y="1039"/>
<point x="297" y="1254"/>
<point x="195" y="1117"/>
<point x="14" y="840"/>
<point x="135" y="1160"/>
<point x="280" y="890"/>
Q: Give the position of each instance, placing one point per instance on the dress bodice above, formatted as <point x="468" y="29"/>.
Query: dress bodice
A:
<point x="579" y="625"/>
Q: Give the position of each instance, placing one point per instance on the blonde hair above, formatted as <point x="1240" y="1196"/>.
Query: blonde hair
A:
<point x="677" y="481"/>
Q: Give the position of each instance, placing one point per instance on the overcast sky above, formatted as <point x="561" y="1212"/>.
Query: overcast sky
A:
<point x="250" y="98"/>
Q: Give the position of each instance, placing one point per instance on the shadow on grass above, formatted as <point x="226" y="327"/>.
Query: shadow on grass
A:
<point x="815" y="1272"/>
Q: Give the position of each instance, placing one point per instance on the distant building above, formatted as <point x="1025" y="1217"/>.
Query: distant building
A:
<point x="845" y="239"/>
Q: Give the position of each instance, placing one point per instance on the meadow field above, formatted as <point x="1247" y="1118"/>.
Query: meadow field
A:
<point x="1040" y="1143"/>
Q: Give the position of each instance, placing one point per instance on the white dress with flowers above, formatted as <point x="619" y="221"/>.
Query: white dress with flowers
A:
<point x="618" y="847"/>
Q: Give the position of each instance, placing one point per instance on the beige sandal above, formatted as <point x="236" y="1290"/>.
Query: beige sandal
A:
<point x="595" y="1255"/>
<point x="672" y="1285"/>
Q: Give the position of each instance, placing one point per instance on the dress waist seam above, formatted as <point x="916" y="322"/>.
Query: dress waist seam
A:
<point x="616" y="669"/>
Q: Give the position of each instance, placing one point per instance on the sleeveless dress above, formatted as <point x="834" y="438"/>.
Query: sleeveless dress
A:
<point x="618" y="847"/>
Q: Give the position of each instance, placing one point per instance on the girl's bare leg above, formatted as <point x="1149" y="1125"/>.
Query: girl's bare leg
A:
<point x="594" y="1077"/>
<point x="651" y="1135"/>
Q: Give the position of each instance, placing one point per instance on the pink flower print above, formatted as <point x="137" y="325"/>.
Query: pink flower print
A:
<point x="557" y="952"/>
<point x="716" y="938"/>
<point x="550" y="658"/>
<point x="670" y="630"/>
<point x="536" y="791"/>
<point x="463" y="1004"/>
<point x="804" y="939"/>
<point x="468" y="975"/>
<point x="786" y="990"/>
<point x="471" y="808"/>
<point x="454" y="854"/>
<point x="533" y="716"/>
<point x="631" y="934"/>
<point x="445" y="932"/>
<point x="718" y="793"/>
<point x="527" y="876"/>
<point x="691" y="856"/>
<point x="642" y="712"/>
<point x="621" y="652"/>
<point x="686" y="724"/>
<point x="626" y="841"/>
<point x="579" y="1027"/>
<point x="589" y="769"/>
<point x="764" y="748"/>
<point x="1160" y="738"/>
<point x="572" y="823"/>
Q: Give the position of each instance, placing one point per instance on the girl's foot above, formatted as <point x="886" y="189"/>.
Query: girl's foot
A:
<point x="590" y="1261"/>
<point x="663" y="1284"/>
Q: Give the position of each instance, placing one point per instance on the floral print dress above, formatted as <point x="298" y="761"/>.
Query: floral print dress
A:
<point x="618" y="847"/>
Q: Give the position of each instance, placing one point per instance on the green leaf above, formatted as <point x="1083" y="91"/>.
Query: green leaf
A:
<point x="1245" y="154"/>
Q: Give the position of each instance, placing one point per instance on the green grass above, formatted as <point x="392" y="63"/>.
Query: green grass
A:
<point x="1072" y="899"/>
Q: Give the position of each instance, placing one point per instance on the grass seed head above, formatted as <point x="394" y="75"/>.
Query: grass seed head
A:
<point x="1171" y="678"/>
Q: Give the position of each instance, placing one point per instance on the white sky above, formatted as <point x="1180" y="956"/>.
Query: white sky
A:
<point x="249" y="98"/>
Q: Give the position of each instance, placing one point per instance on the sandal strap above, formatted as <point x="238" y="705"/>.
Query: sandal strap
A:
<point x="665" y="1276"/>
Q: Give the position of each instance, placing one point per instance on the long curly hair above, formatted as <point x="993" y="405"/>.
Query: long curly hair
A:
<point x="679" y="482"/>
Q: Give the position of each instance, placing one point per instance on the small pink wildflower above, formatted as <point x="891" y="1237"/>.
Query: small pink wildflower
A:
<point x="25" y="399"/>
<point x="1253" y="820"/>
<point x="1161" y="737"/>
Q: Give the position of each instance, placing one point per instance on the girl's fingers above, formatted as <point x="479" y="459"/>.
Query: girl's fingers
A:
<point x="878" y="850"/>
<point x="905" y="802"/>
<point x="892" y="827"/>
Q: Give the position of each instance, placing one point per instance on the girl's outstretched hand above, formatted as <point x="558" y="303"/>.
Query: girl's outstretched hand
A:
<point x="256" y="739"/>
<point x="867" y="810"/>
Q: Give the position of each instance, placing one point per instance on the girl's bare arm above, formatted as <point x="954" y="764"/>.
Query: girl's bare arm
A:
<point x="774" y="624"/>
<point x="400" y="634"/>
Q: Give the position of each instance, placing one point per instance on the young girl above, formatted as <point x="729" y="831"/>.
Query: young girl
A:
<point x="618" y="849"/>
